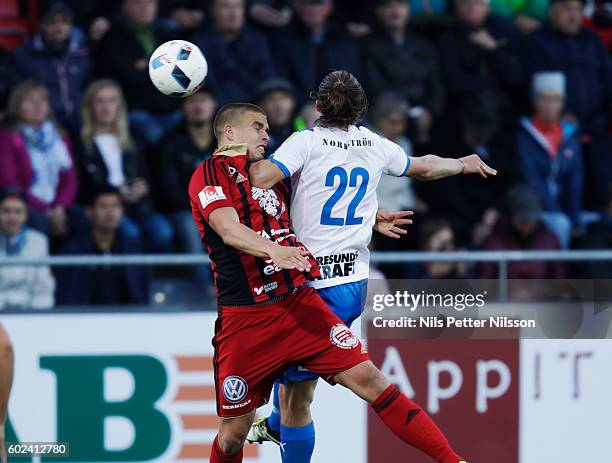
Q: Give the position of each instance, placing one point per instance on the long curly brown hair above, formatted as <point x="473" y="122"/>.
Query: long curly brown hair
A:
<point x="342" y="100"/>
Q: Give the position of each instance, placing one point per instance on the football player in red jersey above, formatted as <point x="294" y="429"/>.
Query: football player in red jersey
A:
<point x="6" y="380"/>
<point x="267" y="318"/>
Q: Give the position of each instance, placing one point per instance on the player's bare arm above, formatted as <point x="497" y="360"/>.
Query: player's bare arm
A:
<point x="265" y="174"/>
<point x="389" y="223"/>
<point x="432" y="167"/>
<point x="226" y="223"/>
<point x="6" y="380"/>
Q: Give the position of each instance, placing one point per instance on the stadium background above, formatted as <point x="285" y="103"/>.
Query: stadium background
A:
<point x="458" y="81"/>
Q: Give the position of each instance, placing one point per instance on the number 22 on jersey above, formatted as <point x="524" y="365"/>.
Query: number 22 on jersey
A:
<point x="348" y="181"/>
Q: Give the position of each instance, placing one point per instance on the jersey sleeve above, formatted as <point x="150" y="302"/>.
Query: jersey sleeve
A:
<point x="291" y="156"/>
<point x="209" y="188"/>
<point x="396" y="159"/>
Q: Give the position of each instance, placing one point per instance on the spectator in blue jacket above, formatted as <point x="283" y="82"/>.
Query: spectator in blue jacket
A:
<point x="551" y="157"/>
<point x="311" y="46"/>
<point x="238" y="56"/>
<point x="103" y="285"/>
<point x="564" y="45"/>
<point x="58" y="56"/>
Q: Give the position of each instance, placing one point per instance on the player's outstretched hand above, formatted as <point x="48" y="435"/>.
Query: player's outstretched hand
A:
<point x="289" y="257"/>
<point x="472" y="164"/>
<point x="389" y="223"/>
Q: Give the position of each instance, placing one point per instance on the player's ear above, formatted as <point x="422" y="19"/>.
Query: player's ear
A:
<point x="228" y="132"/>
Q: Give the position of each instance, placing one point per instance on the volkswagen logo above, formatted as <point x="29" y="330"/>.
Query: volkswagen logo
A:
<point x="235" y="389"/>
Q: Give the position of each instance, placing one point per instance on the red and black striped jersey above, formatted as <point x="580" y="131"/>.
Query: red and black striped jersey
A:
<point x="242" y="279"/>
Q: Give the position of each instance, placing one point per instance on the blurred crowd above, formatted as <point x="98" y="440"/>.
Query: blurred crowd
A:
<point x="94" y="160"/>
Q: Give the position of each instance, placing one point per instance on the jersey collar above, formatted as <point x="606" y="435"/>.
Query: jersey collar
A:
<point x="232" y="150"/>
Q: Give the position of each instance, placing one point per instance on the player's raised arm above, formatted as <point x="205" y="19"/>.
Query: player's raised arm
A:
<point x="265" y="174"/>
<point x="225" y="222"/>
<point x="432" y="167"/>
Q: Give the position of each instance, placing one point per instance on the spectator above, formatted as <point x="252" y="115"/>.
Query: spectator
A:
<point x="184" y="15"/>
<point x="123" y="54"/>
<point x="181" y="151"/>
<point x="108" y="156"/>
<point x="270" y="14"/>
<point x="480" y="59"/>
<point x="307" y="117"/>
<point x="276" y="97"/>
<point x="551" y="157"/>
<point x="564" y="45"/>
<point x="103" y="285"/>
<point x="527" y="15"/>
<point x="471" y="203"/>
<point x="601" y="22"/>
<point x="389" y="119"/>
<point x="238" y="56"/>
<point x="524" y="231"/>
<point x="58" y="56"/>
<point x="35" y="157"/>
<point x="436" y="235"/>
<point x="397" y="60"/>
<point x="22" y="287"/>
<point x="308" y="49"/>
<point x="95" y="17"/>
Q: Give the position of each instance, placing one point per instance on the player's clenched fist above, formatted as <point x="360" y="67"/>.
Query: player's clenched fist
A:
<point x="472" y="164"/>
<point x="289" y="257"/>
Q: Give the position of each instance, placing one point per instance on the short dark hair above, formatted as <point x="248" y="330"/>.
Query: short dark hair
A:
<point x="13" y="192"/>
<point x="101" y="191"/>
<point x="230" y="113"/>
<point x="342" y="100"/>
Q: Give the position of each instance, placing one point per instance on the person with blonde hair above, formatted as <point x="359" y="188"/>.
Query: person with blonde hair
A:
<point x="35" y="156"/>
<point x="108" y="156"/>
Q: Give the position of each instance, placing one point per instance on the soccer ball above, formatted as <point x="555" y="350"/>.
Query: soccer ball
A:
<point x="177" y="68"/>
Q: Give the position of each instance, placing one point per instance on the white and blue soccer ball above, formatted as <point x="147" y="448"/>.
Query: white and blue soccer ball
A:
<point x="177" y="68"/>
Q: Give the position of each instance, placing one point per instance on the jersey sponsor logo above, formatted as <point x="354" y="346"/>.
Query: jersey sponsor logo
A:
<point x="337" y="265"/>
<point x="270" y="269"/>
<point x="267" y="287"/>
<point x="268" y="201"/>
<point x="345" y="145"/>
<point x="235" y="389"/>
<point x="210" y="194"/>
<point x="284" y="232"/>
<point x="233" y="407"/>
<point x="342" y="337"/>
<point x="239" y="178"/>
